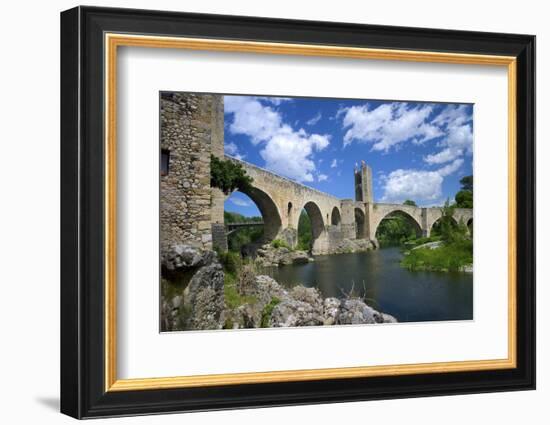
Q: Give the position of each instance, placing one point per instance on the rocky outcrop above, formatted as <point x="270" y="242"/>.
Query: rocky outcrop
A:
<point x="269" y="256"/>
<point x="354" y="311"/>
<point x="185" y="257"/>
<point x="203" y="299"/>
<point x="274" y="306"/>
<point x="201" y="304"/>
<point x="348" y="246"/>
<point x="265" y="303"/>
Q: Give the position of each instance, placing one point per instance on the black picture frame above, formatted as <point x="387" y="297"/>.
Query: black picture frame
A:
<point x="83" y="392"/>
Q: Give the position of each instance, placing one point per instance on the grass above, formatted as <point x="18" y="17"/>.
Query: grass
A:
<point x="232" y="297"/>
<point x="452" y="256"/>
<point x="268" y="309"/>
<point x="279" y="243"/>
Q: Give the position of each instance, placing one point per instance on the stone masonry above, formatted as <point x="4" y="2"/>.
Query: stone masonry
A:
<point x="187" y="138"/>
<point x="191" y="212"/>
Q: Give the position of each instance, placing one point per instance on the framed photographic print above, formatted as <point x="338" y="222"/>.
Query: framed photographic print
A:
<point x="261" y="212"/>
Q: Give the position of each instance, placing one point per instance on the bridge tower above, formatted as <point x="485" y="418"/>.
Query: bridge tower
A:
<point x="363" y="184"/>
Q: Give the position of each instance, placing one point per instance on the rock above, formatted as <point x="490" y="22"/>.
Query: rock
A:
<point x="308" y="295"/>
<point x="249" y="315"/>
<point x="185" y="257"/>
<point x="291" y="312"/>
<point x="331" y="310"/>
<point x="347" y="246"/>
<point x="176" y="301"/>
<point x="204" y="299"/>
<point x="388" y="318"/>
<point x="354" y="311"/>
<point x="268" y="288"/>
<point x="429" y="245"/>
<point x="300" y="257"/>
<point x="269" y="256"/>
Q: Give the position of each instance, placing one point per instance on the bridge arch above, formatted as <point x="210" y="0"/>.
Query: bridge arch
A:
<point x="437" y="222"/>
<point x="318" y="233"/>
<point x="335" y="217"/>
<point x="270" y="213"/>
<point x="401" y="212"/>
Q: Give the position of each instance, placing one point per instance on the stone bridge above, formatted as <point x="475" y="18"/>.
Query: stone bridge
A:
<point x="192" y="212"/>
<point x="281" y="200"/>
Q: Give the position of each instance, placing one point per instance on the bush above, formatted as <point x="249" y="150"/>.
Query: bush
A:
<point x="228" y="175"/>
<point x="232" y="297"/>
<point x="279" y="243"/>
<point x="268" y="309"/>
<point x="231" y="262"/>
<point x="449" y="257"/>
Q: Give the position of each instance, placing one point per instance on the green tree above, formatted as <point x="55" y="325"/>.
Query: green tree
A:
<point x="467" y="183"/>
<point x="410" y="202"/>
<point x="304" y="232"/>
<point x="395" y="229"/>
<point x="464" y="199"/>
<point x="446" y="227"/>
<point x="228" y="175"/>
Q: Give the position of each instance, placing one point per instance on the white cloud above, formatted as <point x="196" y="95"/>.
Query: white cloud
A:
<point x="391" y="124"/>
<point x="232" y="150"/>
<point x="335" y="162"/>
<point x="240" y="202"/>
<point x="322" y="177"/>
<point x="252" y="118"/>
<point x="314" y="120"/>
<point x="286" y="151"/>
<point x="419" y="185"/>
<point x="388" y="125"/>
<point x="274" y="100"/>
<point x="458" y="140"/>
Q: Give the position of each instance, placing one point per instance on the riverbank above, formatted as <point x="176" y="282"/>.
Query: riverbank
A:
<point x="278" y="253"/>
<point x="225" y="295"/>
<point x="455" y="256"/>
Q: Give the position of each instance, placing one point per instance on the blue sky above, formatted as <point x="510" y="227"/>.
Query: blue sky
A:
<point x="416" y="150"/>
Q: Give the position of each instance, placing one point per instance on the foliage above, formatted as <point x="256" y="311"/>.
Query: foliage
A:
<point x="304" y="232"/>
<point x="279" y="243"/>
<point x="267" y="310"/>
<point x="410" y="202"/>
<point x="448" y="257"/>
<point x="395" y="229"/>
<point x="231" y="262"/>
<point x="422" y="241"/>
<point x="245" y="235"/>
<point x="464" y="199"/>
<point x="467" y="183"/>
<point x="235" y="272"/>
<point x="447" y="228"/>
<point x="228" y="175"/>
<point x="455" y="252"/>
<point x="233" y="298"/>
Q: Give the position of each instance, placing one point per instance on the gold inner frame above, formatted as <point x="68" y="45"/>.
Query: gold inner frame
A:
<point x="113" y="41"/>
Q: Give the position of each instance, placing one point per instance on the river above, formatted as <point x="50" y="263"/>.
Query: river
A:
<point x="408" y="296"/>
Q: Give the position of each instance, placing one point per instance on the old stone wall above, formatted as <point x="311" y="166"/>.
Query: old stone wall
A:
<point x="186" y="137"/>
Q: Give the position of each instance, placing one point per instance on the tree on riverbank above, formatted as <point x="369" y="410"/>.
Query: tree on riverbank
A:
<point x="396" y="229"/>
<point x="455" y="251"/>
<point x="465" y="197"/>
<point x="304" y="232"/>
